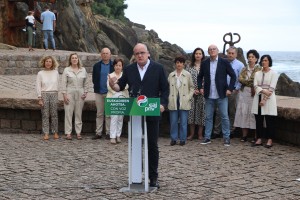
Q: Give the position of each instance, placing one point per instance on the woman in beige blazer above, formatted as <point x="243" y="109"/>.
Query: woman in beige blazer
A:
<point x="181" y="92"/>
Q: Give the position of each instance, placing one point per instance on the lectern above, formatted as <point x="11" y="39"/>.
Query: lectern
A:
<point x="137" y="108"/>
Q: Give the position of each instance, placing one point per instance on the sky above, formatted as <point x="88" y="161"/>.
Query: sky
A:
<point x="264" y="25"/>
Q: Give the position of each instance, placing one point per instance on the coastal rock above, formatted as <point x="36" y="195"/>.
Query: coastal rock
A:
<point x="287" y="87"/>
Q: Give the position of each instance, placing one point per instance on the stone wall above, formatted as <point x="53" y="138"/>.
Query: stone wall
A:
<point x="29" y="121"/>
<point x="28" y="64"/>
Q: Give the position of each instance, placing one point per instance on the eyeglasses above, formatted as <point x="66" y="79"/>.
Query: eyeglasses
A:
<point x="140" y="53"/>
<point x="212" y="49"/>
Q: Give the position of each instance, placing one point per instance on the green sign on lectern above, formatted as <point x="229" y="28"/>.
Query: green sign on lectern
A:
<point x="140" y="106"/>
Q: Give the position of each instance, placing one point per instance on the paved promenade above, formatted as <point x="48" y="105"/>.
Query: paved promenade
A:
<point x="31" y="168"/>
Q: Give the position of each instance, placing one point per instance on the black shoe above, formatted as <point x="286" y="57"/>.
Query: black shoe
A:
<point x="97" y="137"/>
<point x="182" y="143"/>
<point x="244" y="139"/>
<point x="255" y="145"/>
<point x="206" y="141"/>
<point x="154" y="183"/>
<point x="268" y="146"/>
<point x="107" y="137"/>
<point x="172" y="143"/>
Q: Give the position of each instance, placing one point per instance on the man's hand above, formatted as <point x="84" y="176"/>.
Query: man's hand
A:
<point x="162" y="108"/>
<point x="228" y="92"/>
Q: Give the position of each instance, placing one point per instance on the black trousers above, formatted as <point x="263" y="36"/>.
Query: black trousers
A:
<point x="153" y="153"/>
<point x="270" y="122"/>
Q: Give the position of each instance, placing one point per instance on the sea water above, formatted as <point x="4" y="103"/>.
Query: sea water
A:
<point x="286" y="62"/>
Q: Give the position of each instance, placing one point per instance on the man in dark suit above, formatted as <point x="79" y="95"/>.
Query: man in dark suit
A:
<point x="214" y="73"/>
<point x="146" y="77"/>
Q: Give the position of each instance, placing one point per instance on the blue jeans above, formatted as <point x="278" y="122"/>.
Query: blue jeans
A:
<point x="183" y="116"/>
<point x="223" y="111"/>
<point x="48" y="34"/>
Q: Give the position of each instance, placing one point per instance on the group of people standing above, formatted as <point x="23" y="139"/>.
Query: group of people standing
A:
<point x="243" y="95"/>
<point x="74" y="87"/>
<point x="190" y="94"/>
<point x="48" y="20"/>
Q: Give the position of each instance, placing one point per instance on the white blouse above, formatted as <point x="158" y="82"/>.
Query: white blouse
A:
<point x="47" y="81"/>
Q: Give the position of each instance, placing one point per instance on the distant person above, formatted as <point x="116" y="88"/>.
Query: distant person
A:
<point x="214" y="73"/>
<point x="181" y="92"/>
<point x="116" y="121"/>
<point x="148" y="78"/>
<point x="49" y="23"/>
<point x="74" y="89"/>
<point x="244" y="119"/>
<point x="30" y="28"/>
<point x="100" y="72"/>
<point x="232" y="99"/>
<point x="47" y="89"/>
<point x="264" y="104"/>
<point x="196" y="115"/>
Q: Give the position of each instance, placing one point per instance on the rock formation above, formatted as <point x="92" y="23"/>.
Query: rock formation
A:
<point x="79" y="30"/>
<point x="287" y="87"/>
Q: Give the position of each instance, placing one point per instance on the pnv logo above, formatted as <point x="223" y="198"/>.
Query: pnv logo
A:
<point x="142" y="101"/>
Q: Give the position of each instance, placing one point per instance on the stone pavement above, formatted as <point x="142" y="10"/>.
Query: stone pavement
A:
<point x="31" y="168"/>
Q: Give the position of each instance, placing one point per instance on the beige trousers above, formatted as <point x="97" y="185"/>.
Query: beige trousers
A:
<point x="100" y="100"/>
<point x="75" y="106"/>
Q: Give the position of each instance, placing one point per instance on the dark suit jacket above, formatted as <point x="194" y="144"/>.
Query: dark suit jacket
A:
<point x="96" y="75"/>
<point x="223" y="69"/>
<point x="154" y="84"/>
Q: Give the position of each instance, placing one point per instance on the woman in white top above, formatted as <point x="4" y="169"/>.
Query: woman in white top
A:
<point x="47" y="91"/>
<point x="116" y="121"/>
<point x="74" y="89"/>
<point x="264" y="105"/>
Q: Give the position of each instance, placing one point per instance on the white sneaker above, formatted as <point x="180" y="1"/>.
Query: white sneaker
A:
<point x="33" y="32"/>
<point x="24" y="29"/>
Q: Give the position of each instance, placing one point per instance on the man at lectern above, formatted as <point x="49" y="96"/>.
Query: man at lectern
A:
<point x="146" y="77"/>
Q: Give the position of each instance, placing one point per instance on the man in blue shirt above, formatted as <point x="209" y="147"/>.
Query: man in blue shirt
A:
<point x="232" y="99"/>
<point x="100" y="72"/>
<point x="49" y="22"/>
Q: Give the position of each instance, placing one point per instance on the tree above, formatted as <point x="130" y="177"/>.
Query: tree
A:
<point x="111" y="9"/>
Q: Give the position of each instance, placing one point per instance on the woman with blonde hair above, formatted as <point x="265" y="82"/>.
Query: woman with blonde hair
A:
<point x="47" y="90"/>
<point x="74" y="89"/>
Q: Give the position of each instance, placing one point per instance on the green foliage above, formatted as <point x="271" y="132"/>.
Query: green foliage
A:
<point x="65" y="3"/>
<point x="110" y="8"/>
